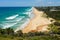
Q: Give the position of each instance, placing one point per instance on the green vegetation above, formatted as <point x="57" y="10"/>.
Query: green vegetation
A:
<point x="52" y="14"/>
<point x="9" y="34"/>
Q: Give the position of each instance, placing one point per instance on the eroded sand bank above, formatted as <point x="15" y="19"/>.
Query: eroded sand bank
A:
<point x="38" y="23"/>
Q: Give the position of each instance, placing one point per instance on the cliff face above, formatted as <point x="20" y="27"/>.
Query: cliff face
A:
<point x="38" y="23"/>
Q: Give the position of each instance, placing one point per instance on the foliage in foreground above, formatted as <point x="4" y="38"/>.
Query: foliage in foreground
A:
<point x="9" y="34"/>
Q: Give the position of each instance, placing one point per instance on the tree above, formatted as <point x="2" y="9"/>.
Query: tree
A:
<point x="20" y="33"/>
<point x="9" y="31"/>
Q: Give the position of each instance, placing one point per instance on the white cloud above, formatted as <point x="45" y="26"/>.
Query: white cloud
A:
<point x="50" y="2"/>
<point x="53" y="2"/>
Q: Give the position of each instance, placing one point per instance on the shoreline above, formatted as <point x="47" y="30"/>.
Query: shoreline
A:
<point x="38" y="20"/>
<point x="26" y="23"/>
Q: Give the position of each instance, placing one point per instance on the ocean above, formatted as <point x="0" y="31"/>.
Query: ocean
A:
<point x="15" y="17"/>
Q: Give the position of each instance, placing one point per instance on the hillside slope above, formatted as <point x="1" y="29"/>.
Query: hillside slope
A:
<point x="38" y="23"/>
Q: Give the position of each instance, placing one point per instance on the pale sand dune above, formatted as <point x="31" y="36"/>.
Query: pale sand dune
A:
<point x="38" y="23"/>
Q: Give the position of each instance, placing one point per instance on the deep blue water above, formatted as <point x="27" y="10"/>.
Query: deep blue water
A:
<point x="14" y="16"/>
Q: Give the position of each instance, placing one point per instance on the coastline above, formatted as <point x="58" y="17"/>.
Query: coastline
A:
<point x="26" y="22"/>
<point x="36" y="24"/>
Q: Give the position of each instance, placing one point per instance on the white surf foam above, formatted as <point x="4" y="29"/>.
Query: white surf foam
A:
<point x="30" y="13"/>
<point x="6" y="25"/>
<point x="12" y="17"/>
<point x="11" y="23"/>
<point x="20" y="18"/>
<point x="30" y="9"/>
<point x="23" y="25"/>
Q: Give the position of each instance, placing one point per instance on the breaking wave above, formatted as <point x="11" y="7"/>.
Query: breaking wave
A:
<point x="12" y="17"/>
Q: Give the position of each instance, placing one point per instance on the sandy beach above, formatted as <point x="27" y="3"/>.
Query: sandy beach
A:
<point x="38" y="23"/>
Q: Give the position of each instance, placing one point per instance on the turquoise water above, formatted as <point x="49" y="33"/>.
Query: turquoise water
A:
<point x="14" y="17"/>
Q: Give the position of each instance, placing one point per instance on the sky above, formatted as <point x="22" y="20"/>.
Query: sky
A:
<point x="29" y="2"/>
